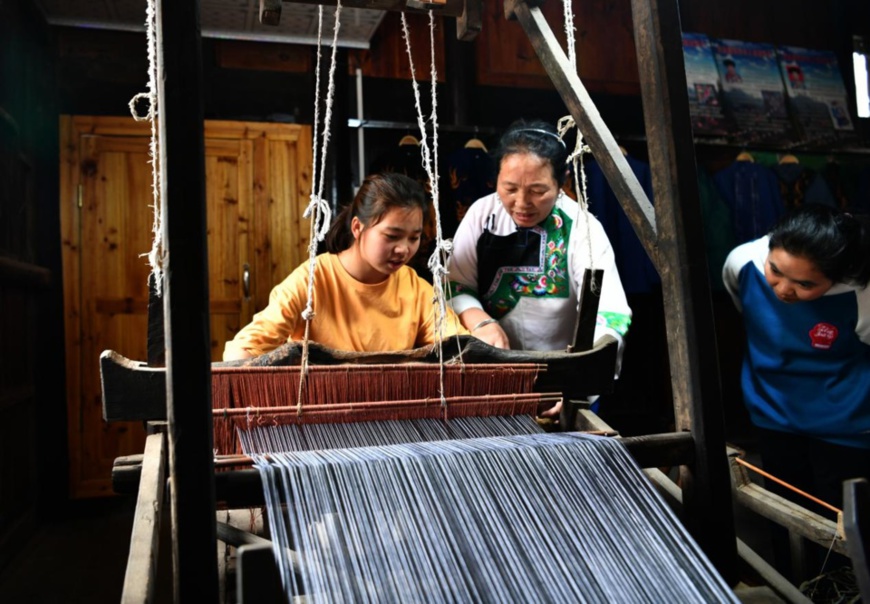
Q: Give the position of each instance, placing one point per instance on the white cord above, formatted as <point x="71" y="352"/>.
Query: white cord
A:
<point x="440" y="258"/>
<point x="565" y="124"/>
<point x="157" y="255"/>
<point x="569" y="33"/>
<point x="318" y="210"/>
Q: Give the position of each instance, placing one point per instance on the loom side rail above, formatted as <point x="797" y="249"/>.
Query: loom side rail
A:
<point x="856" y="507"/>
<point x="140" y="577"/>
<point x="754" y="497"/>
<point x="239" y="486"/>
<point x="792" y="516"/>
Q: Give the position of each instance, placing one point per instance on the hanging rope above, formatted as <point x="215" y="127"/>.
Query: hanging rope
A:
<point x="575" y="158"/>
<point x="157" y="255"/>
<point x="318" y="211"/>
<point x="439" y="260"/>
<point x="567" y="10"/>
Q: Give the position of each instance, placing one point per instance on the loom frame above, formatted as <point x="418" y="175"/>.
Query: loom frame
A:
<point x="191" y="468"/>
<point x="670" y="233"/>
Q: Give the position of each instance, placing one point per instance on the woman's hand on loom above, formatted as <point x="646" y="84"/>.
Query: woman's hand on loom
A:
<point x="553" y="412"/>
<point x="492" y="334"/>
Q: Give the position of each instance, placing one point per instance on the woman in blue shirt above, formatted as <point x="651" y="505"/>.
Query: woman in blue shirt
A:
<point x="802" y="291"/>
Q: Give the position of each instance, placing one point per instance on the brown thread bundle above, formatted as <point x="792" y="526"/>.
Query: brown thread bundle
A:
<point x="244" y="397"/>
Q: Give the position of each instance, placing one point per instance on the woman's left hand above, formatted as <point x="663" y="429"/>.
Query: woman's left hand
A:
<point x="553" y="412"/>
<point x="493" y="335"/>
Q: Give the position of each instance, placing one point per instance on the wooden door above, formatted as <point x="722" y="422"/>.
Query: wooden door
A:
<point x="229" y="212"/>
<point x="256" y="184"/>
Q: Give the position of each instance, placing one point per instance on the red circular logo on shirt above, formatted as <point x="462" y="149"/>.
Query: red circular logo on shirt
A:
<point x="823" y="335"/>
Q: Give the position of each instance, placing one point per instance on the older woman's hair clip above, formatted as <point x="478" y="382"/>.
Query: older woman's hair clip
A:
<point x="545" y="132"/>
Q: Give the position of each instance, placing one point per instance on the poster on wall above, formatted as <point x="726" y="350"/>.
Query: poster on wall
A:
<point x="752" y="92"/>
<point x="817" y="95"/>
<point x="702" y="85"/>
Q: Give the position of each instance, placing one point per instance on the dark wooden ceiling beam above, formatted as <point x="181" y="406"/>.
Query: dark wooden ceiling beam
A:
<point x="449" y="8"/>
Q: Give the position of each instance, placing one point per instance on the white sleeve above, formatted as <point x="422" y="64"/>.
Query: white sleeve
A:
<point x="613" y="301"/>
<point x="736" y="260"/>
<point x="614" y="313"/>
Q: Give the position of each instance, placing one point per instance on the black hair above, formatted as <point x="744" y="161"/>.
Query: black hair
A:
<point x="730" y="62"/>
<point x="838" y="243"/>
<point x="378" y="194"/>
<point x="538" y="138"/>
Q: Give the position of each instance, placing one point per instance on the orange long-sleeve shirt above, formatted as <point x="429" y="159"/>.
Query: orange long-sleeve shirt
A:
<point x="396" y="314"/>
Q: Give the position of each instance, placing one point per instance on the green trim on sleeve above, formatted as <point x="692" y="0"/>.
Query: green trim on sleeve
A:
<point x="618" y="322"/>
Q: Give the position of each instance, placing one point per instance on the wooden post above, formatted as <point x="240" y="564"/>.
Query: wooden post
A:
<point x="185" y="304"/>
<point x="156" y="342"/>
<point x="685" y="283"/>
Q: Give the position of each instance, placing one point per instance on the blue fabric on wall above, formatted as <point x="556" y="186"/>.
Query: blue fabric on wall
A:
<point x="753" y="195"/>
<point x="799" y="185"/>
<point x="718" y="228"/>
<point x="468" y="175"/>
<point x="636" y="270"/>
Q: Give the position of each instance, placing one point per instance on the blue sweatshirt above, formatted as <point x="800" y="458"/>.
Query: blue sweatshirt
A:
<point x="807" y="364"/>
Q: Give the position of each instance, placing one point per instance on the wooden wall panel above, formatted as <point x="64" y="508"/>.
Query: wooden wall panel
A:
<point x="119" y="57"/>
<point x="263" y="56"/>
<point x="606" y="56"/>
<point x="604" y="43"/>
<point x="505" y="56"/>
<point x="387" y="56"/>
<point x="803" y="23"/>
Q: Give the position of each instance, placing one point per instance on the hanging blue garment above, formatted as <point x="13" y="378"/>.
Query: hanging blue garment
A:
<point x="718" y="228"/>
<point x="799" y="185"/>
<point x="636" y="270"/>
<point x="752" y="193"/>
<point x="469" y="174"/>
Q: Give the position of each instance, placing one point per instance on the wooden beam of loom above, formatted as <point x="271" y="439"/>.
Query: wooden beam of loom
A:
<point x="133" y="391"/>
<point x="139" y="580"/>
<point x="228" y="421"/>
<point x="237" y="485"/>
<point x="794" y="517"/>
<point x="187" y="364"/>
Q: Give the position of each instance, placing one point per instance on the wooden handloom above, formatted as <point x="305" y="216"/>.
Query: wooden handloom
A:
<point x="671" y="234"/>
<point x="190" y="481"/>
